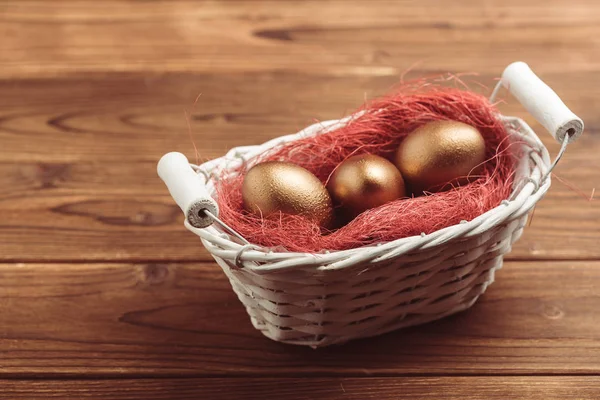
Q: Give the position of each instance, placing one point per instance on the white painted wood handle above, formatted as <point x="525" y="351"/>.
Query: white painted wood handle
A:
<point x="187" y="189"/>
<point x="541" y="102"/>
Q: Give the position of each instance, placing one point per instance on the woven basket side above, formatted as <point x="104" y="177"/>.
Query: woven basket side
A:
<point x="334" y="306"/>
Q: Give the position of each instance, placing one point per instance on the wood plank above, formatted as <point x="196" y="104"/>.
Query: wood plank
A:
<point x="139" y="117"/>
<point x="122" y="211"/>
<point x="458" y="388"/>
<point x="116" y="117"/>
<point x="78" y="158"/>
<point x="172" y="319"/>
<point x="353" y="37"/>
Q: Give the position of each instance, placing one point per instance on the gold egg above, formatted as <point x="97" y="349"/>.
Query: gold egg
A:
<point x="275" y="186"/>
<point x="440" y="154"/>
<point x="363" y="182"/>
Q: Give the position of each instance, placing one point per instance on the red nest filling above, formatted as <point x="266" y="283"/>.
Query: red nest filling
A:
<point x="383" y="125"/>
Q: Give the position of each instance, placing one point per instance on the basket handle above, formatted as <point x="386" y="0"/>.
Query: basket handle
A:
<point x="541" y="102"/>
<point x="187" y="189"/>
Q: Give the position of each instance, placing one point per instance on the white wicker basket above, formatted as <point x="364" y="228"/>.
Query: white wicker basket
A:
<point x="333" y="297"/>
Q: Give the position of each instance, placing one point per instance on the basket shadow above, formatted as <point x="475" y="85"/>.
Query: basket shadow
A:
<point x="441" y="343"/>
<point x="198" y="320"/>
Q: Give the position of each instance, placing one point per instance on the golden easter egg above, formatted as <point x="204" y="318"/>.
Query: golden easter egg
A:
<point x="275" y="186"/>
<point x="440" y="154"/>
<point x="363" y="182"/>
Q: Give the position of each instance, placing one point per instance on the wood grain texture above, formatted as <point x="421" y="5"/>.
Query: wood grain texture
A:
<point x="78" y="167"/>
<point x="449" y="388"/>
<point x="336" y="37"/>
<point x="100" y="284"/>
<point x="170" y="319"/>
<point x="138" y="117"/>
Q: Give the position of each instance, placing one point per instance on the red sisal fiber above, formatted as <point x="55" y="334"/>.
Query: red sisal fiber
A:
<point x="378" y="130"/>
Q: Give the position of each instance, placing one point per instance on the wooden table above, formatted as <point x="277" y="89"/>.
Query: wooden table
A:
<point x="104" y="294"/>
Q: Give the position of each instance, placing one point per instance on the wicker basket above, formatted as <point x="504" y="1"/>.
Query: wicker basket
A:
<point x="333" y="297"/>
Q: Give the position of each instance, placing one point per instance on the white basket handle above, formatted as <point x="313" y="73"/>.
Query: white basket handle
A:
<point x="187" y="189"/>
<point x="541" y="102"/>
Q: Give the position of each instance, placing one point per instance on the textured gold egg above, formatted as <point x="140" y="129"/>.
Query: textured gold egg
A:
<point x="363" y="182"/>
<point x="275" y="186"/>
<point x="440" y="154"/>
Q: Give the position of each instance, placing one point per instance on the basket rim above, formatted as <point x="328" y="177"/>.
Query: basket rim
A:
<point x="526" y="193"/>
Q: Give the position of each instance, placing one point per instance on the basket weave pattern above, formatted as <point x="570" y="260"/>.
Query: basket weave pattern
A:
<point x="333" y="297"/>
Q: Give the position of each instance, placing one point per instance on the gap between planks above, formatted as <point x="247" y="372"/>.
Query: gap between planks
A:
<point x="529" y="260"/>
<point x="287" y="375"/>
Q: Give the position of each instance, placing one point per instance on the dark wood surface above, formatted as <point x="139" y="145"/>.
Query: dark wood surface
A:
<point x="104" y="294"/>
<point x="432" y="388"/>
<point x="171" y="319"/>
